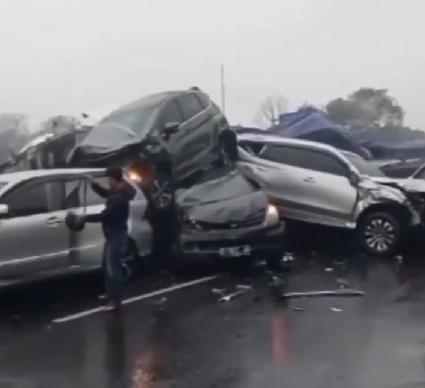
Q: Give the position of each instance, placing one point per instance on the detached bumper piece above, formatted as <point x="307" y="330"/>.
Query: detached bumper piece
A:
<point x="232" y="243"/>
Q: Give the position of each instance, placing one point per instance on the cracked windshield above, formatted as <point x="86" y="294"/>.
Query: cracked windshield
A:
<point x="198" y="195"/>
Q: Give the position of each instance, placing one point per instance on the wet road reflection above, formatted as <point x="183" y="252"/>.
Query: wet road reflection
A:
<point x="115" y="352"/>
<point x="189" y="339"/>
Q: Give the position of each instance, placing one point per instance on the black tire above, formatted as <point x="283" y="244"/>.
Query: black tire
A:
<point x="380" y="234"/>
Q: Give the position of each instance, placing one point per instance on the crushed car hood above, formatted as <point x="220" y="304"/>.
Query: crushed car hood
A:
<point x="226" y="200"/>
<point x="409" y="184"/>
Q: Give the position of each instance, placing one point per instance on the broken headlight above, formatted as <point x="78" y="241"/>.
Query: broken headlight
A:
<point x="272" y="215"/>
<point x="190" y="224"/>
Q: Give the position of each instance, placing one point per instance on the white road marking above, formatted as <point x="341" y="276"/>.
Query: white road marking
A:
<point x="133" y="299"/>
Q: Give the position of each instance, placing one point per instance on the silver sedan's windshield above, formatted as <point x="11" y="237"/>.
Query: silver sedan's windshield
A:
<point x="365" y="167"/>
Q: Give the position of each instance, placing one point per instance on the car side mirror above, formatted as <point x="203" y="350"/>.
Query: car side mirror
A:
<point x="170" y="128"/>
<point x="354" y="178"/>
<point x="4" y="209"/>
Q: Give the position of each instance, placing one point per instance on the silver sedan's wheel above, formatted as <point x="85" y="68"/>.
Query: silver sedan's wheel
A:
<point x="379" y="235"/>
<point x="162" y="193"/>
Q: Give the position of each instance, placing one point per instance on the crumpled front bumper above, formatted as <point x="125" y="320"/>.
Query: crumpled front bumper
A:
<point x="261" y="240"/>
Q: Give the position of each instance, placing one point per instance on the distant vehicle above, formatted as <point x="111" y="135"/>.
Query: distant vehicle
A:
<point x="316" y="183"/>
<point x="165" y="137"/>
<point x="46" y="150"/>
<point x="228" y="216"/>
<point x="36" y="243"/>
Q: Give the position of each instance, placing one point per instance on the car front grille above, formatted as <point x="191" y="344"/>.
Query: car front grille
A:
<point x="254" y="219"/>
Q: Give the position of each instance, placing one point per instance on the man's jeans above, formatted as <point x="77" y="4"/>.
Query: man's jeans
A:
<point x="114" y="252"/>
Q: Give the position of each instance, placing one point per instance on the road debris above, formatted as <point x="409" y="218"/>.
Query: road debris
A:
<point x="229" y="297"/>
<point x="160" y="302"/>
<point x="295" y="308"/>
<point x="329" y="269"/>
<point x="343" y="283"/>
<point x="335" y="310"/>
<point x="244" y="287"/>
<point x="288" y="257"/>
<point x="218" y="291"/>
<point x="340" y="292"/>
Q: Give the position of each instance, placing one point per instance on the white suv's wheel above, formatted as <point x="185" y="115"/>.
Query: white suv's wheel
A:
<point x="380" y="233"/>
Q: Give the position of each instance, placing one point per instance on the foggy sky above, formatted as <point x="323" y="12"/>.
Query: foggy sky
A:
<point x="65" y="56"/>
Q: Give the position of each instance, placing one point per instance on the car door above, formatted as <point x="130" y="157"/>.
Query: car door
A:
<point x="296" y="179"/>
<point x="330" y="194"/>
<point x="195" y="134"/>
<point x="274" y="167"/>
<point x="87" y="245"/>
<point x="33" y="235"/>
<point x="176" y="141"/>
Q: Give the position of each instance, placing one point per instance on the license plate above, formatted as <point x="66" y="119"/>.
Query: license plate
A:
<point x="243" y="250"/>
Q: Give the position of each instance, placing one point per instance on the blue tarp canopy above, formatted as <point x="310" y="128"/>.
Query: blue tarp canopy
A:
<point x="311" y="124"/>
<point x="406" y="150"/>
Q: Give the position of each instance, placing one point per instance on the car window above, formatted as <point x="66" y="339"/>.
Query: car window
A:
<point x="72" y="197"/>
<point x="190" y="105"/>
<point x="304" y="158"/>
<point x="92" y="197"/>
<point x="205" y="99"/>
<point x="171" y="113"/>
<point x="364" y="167"/>
<point x="27" y="200"/>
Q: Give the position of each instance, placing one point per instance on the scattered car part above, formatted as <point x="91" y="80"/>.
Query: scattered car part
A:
<point x="229" y="297"/>
<point x="344" y="292"/>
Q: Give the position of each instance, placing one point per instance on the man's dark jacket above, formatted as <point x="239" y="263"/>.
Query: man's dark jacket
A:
<point x="115" y="215"/>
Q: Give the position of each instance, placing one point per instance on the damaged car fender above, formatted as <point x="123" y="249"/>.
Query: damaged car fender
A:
<point x="373" y="195"/>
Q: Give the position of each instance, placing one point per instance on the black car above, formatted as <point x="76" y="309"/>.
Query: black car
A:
<point x="227" y="217"/>
<point x="163" y="138"/>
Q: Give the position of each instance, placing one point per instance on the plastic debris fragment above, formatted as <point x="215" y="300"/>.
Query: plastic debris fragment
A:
<point x="335" y="310"/>
<point x="244" y="287"/>
<point x="288" y="257"/>
<point x="295" y="308"/>
<point x="229" y="297"/>
<point x="340" y="292"/>
<point x="329" y="269"/>
<point x="218" y="291"/>
<point x="343" y="283"/>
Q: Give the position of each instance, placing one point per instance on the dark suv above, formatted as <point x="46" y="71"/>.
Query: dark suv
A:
<point x="163" y="138"/>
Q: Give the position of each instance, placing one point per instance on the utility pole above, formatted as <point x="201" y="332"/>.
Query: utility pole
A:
<point x="223" y="89"/>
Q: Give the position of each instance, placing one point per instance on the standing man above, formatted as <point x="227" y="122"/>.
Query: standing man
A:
<point x="114" y="224"/>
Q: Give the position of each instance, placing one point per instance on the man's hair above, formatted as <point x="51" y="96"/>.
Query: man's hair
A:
<point x="114" y="172"/>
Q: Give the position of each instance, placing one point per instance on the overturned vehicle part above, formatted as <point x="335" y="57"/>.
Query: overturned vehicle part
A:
<point x="228" y="217"/>
<point x="162" y="138"/>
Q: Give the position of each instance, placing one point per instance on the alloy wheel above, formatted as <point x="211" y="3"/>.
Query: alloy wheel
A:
<point x="380" y="235"/>
<point x="162" y="193"/>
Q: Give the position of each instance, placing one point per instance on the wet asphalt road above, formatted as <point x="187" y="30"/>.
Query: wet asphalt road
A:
<point x="189" y="339"/>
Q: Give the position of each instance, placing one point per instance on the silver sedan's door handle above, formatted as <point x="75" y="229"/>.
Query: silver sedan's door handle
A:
<point x="309" y="180"/>
<point x="53" y="221"/>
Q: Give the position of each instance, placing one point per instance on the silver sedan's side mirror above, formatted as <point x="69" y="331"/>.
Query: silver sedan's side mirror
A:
<point x="4" y="209"/>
